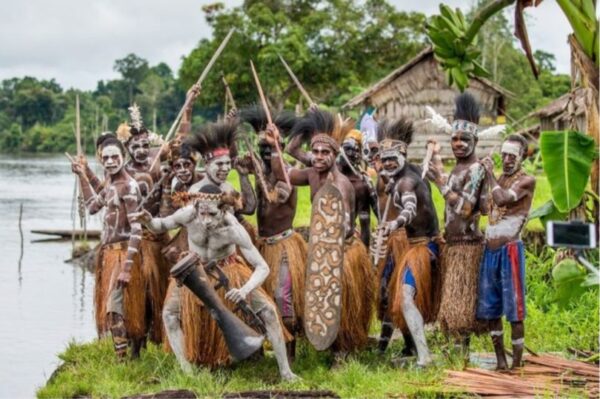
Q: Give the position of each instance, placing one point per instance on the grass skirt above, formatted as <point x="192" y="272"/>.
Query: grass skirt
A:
<point x="295" y="248"/>
<point x="203" y="340"/>
<point x="110" y="263"/>
<point x="459" y="285"/>
<point x="156" y="274"/>
<point x="418" y="259"/>
<point x="397" y="245"/>
<point x="357" y="297"/>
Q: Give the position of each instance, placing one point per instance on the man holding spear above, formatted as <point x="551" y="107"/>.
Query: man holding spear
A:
<point x="284" y="249"/>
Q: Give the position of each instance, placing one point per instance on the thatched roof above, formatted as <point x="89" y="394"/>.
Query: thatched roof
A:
<point x="558" y="107"/>
<point x="428" y="51"/>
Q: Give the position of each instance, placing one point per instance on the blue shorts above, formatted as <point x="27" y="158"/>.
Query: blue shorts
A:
<point x="408" y="277"/>
<point x="502" y="283"/>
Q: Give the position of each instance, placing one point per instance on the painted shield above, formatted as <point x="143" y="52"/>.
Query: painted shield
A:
<point x="323" y="295"/>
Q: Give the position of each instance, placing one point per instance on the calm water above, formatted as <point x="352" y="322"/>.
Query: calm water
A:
<point x="45" y="303"/>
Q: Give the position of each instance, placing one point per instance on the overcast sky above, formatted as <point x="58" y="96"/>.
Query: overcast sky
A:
<point x="77" y="41"/>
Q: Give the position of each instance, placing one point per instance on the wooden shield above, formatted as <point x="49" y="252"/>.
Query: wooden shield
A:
<point x="323" y="295"/>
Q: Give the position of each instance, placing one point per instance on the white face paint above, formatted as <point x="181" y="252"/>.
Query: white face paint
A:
<point x="511" y="157"/>
<point x="393" y="163"/>
<point x="218" y="169"/>
<point x="209" y="214"/>
<point x="139" y="148"/>
<point x="112" y="159"/>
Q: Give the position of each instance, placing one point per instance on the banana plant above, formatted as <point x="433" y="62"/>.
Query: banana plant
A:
<point x="582" y="17"/>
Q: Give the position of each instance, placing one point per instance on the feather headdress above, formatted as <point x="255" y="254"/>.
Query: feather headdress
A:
<point x="214" y="139"/>
<point x="135" y="127"/>
<point x="318" y="126"/>
<point x="395" y="135"/>
<point x="466" y="115"/>
<point x="256" y="117"/>
<point x="438" y="120"/>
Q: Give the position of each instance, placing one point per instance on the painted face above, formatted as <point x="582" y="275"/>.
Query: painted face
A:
<point x="184" y="169"/>
<point x="352" y="150"/>
<point x="511" y="157"/>
<point x="208" y="213"/>
<point x="218" y="169"/>
<point x="463" y="144"/>
<point x="112" y="159"/>
<point x="392" y="163"/>
<point x="323" y="157"/>
<point x="139" y="148"/>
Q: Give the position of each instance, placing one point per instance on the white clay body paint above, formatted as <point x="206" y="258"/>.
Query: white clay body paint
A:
<point x="509" y="226"/>
<point x="511" y="148"/>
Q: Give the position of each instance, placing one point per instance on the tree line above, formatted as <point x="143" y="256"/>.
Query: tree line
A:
<point x="336" y="47"/>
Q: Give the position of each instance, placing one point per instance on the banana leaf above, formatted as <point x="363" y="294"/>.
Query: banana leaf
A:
<point x="546" y="213"/>
<point x="567" y="160"/>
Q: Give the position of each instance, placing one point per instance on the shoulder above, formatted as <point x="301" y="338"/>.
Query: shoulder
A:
<point x="476" y="168"/>
<point x="527" y="181"/>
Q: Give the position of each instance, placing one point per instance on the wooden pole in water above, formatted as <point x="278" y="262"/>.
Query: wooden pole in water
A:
<point x="21" y="234"/>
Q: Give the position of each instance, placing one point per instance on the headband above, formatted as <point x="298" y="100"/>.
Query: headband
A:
<point x="460" y="125"/>
<point x="218" y="152"/>
<point x="510" y="147"/>
<point x="326" y="139"/>
<point x="390" y="146"/>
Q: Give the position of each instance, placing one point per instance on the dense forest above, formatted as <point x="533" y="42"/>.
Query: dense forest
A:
<point x="337" y="49"/>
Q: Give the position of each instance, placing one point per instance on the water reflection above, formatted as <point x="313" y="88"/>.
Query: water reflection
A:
<point x="45" y="302"/>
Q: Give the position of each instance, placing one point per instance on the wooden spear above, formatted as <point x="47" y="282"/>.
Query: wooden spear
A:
<point x="266" y="108"/>
<point x="311" y="103"/>
<point x="228" y="91"/>
<point x="296" y="81"/>
<point x="379" y="241"/>
<point x="186" y="103"/>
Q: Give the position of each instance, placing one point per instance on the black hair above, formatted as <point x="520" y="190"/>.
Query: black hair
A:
<point x="396" y="129"/>
<point x="313" y="122"/>
<point x="212" y="136"/>
<point x="210" y="189"/>
<point x="103" y="137"/>
<point x="522" y="141"/>
<point x="467" y="108"/>
<point x="112" y="140"/>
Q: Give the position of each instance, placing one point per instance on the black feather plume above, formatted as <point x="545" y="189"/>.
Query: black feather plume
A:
<point x="467" y="108"/>
<point x="395" y="129"/>
<point x="212" y="136"/>
<point x="313" y="122"/>
<point x="255" y="116"/>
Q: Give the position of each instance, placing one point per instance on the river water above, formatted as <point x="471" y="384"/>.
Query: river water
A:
<point x="45" y="303"/>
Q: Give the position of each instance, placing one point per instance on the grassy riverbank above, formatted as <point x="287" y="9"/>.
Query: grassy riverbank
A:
<point x="92" y="370"/>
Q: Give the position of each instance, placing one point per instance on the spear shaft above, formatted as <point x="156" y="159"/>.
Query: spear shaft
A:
<point x="270" y="121"/>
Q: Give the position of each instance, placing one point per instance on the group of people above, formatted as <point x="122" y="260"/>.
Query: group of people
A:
<point x="180" y="265"/>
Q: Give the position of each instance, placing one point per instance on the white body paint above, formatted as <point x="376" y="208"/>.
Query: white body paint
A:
<point x="509" y="226"/>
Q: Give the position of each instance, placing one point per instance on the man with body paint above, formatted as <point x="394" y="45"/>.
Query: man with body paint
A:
<point x="214" y="234"/>
<point x="364" y="192"/>
<point x="320" y="127"/>
<point x="136" y="139"/>
<point x="408" y="275"/>
<point x="502" y="273"/>
<point x="463" y="192"/>
<point x="181" y="308"/>
<point x="284" y="250"/>
<point x="121" y="282"/>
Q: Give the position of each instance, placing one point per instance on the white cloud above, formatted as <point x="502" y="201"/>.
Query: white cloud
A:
<point x="77" y="41"/>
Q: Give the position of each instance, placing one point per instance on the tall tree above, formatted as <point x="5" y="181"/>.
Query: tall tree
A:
<point x="133" y="69"/>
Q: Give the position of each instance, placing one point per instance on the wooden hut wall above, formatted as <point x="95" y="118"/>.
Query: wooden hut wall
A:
<point x="424" y="84"/>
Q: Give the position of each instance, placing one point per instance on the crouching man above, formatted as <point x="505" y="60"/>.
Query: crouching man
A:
<point x="214" y="233"/>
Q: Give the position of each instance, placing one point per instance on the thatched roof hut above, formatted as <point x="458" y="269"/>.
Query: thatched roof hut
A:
<point x="420" y="82"/>
<point x="557" y="114"/>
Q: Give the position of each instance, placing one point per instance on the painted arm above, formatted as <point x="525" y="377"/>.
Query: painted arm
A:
<point x="248" y="195"/>
<point x="294" y="148"/>
<point x="180" y="218"/>
<point x="250" y="253"/>
<point x="131" y="196"/>
<point x="516" y="192"/>
<point x="93" y="202"/>
<point x="464" y="201"/>
<point x="95" y="182"/>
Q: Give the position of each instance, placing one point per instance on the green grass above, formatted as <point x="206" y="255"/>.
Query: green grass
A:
<point x="92" y="370"/>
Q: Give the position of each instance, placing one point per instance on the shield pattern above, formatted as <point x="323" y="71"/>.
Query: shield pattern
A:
<point x="323" y="295"/>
